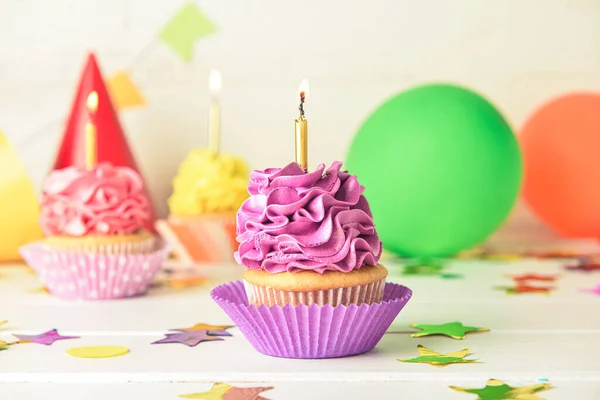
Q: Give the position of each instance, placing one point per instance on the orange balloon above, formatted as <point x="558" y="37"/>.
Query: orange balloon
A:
<point x="561" y="151"/>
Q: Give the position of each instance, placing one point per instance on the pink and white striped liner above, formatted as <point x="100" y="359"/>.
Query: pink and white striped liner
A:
<point x="311" y="331"/>
<point x="88" y="276"/>
<point x="363" y="294"/>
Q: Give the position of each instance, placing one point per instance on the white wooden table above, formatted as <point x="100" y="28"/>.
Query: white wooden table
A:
<point x="533" y="338"/>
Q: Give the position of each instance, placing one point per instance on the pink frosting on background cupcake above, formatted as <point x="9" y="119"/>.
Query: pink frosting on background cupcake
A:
<point x="104" y="200"/>
<point x="297" y="221"/>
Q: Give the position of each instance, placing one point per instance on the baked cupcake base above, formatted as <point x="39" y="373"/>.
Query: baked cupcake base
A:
<point x="136" y="243"/>
<point x="311" y="331"/>
<point x="360" y="286"/>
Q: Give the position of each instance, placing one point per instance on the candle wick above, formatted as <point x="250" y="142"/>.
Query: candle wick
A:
<point x="301" y="106"/>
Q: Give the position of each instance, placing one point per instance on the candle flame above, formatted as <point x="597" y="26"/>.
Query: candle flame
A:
<point x="214" y="81"/>
<point x="303" y="90"/>
<point x="92" y="102"/>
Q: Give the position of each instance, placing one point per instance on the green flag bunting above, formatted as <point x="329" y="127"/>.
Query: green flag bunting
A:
<point x="187" y="26"/>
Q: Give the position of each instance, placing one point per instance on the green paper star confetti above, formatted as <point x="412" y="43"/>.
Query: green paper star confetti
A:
<point x="185" y="28"/>
<point x="428" y="356"/>
<point x="455" y="330"/>
<point x="422" y="270"/>
<point x="495" y="389"/>
<point x="3" y="344"/>
<point x="427" y="267"/>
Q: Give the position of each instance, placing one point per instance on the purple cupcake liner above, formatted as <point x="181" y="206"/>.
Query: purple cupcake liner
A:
<point x="87" y="276"/>
<point x="311" y="331"/>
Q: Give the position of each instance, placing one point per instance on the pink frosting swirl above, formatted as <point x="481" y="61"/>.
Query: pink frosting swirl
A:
<point x="104" y="200"/>
<point x="296" y="221"/>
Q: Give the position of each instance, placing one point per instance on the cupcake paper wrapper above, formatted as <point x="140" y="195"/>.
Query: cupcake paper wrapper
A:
<point x="370" y="293"/>
<point x="311" y="331"/>
<point x="86" y="276"/>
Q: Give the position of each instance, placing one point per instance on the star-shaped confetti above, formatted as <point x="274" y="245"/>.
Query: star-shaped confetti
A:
<point x="595" y="290"/>
<point x="481" y="253"/>
<point x="39" y="289"/>
<point x="4" y="345"/>
<point x="189" y="338"/>
<point x="585" y="264"/>
<point x="502" y="257"/>
<point x="431" y="357"/>
<point x="186" y="282"/>
<point x="223" y="391"/>
<point x="178" y="280"/>
<point x="422" y="270"/>
<point x="427" y="267"/>
<point x="46" y="338"/>
<point x="455" y="330"/>
<point x="557" y="254"/>
<point x="497" y="390"/>
<point x="212" y="330"/>
<point x="534" y="277"/>
<point x="525" y="288"/>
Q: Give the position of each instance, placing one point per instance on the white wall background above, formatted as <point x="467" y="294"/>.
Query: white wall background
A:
<point x="355" y="53"/>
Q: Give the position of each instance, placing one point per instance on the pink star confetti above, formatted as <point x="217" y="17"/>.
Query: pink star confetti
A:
<point x="224" y="391"/>
<point x="595" y="290"/>
<point x="46" y="338"/>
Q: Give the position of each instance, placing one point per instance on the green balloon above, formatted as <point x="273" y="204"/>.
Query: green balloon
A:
<point x="441" y="168"/>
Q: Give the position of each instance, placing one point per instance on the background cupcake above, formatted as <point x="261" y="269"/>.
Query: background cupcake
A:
<point x="207" y="191"/>
<point x="309" y="238"/>
<point x="97" y="247"/>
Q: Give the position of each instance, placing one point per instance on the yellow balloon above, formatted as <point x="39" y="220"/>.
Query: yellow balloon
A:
<point x="20" y="207"/>
<point x="98" y="351"/>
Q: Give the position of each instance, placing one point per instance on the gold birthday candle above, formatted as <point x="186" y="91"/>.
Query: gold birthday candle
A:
<point x="301" y="128"/>
<point x="91" y="140"/>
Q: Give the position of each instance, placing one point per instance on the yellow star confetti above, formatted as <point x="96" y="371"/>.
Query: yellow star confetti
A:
<point x="185" y="282"/>
<point x="39" y="289"/>
<point x="217" y="391"/>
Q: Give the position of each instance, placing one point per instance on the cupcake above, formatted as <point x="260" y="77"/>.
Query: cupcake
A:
<point x="101" y="210"/>
<point x="313" y="286"/>
<point x="207" y="191"/>
<point x="96" y="245"/>
<point x="309" y="238"/>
